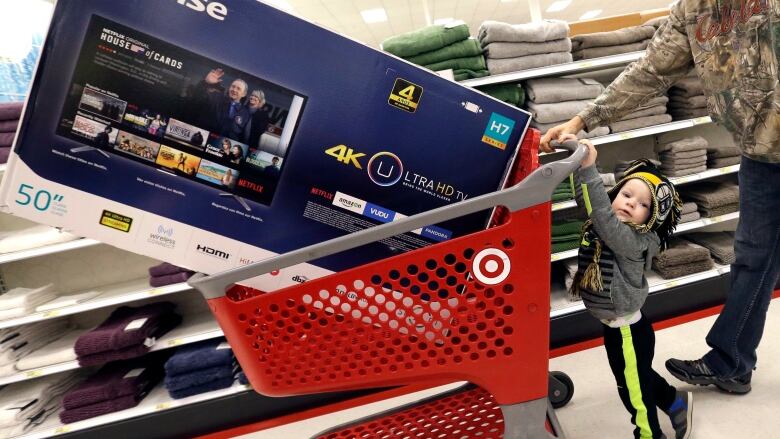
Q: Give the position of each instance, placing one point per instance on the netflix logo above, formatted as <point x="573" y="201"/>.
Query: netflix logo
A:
<point x="250" y="185"/>
<point x="325" y="194"/>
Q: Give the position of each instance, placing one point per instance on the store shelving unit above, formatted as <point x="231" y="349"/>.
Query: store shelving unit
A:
<point x="47" y="250"/>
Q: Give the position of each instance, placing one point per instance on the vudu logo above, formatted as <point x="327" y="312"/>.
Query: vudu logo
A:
<point x="163" y="231"/>
<point x="385" y="168"/>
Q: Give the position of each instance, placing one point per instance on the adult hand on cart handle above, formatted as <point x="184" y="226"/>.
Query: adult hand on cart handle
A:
<point x="556" y="133"/>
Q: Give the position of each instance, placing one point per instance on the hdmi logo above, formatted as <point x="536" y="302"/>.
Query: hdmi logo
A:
<point x="215" y="10"/>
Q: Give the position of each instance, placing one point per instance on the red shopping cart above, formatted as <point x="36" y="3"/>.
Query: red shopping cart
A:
<point x="475" y="308"/>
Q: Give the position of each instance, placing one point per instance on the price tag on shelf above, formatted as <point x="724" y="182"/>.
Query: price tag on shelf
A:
<point x="708" y="221"/>
<point x="555" y="256"/>
<point x="671" y="284"/>
<point x="163" y="406"/>
<point x="701" y="120"/>
<point x="34" y="374"/>
<point x="154" y="291"/>
<point x="50" y="314"/>
<point x="62" y="430"/>
<point x="625" y="136"/>
<point x="727" y="170"/>
<point x="586" y="65"/>
<point x="174" y="342"/>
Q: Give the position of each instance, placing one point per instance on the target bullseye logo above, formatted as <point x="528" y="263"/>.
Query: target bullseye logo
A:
<point x="491" y="266"/>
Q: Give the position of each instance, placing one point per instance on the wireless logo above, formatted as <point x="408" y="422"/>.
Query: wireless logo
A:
<point x="385" y="168"/>
<point x="163" y="231"/>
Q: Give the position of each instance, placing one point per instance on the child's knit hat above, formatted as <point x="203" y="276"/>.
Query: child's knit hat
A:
<point x="667" y="205"/>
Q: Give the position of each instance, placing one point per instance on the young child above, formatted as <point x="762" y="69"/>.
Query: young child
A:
<point x="627" y="226"/>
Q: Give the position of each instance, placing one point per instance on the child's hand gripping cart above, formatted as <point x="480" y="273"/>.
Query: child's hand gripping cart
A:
<point x="475" y="308"/>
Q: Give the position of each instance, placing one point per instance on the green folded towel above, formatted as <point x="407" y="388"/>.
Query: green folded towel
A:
<point x="567" y="237"/>
<point x="510" y="93"/>
<point x="567" y="227"/>
<point x="564" y="196"/>
<point x="424" y="40"/>
<point x="469" y="62"/>
<point x="458" y="49"/>
<point x="464" y="74"/>
<point x="564" y="246"/>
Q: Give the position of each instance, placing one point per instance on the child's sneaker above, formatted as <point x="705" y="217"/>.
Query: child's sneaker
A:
<point x="681" y="414"/>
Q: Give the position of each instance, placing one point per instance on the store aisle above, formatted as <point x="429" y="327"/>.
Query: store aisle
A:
<point x="597" y="413"/>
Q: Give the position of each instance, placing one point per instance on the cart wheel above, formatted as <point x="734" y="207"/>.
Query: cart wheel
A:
<point x="561" y="389"/>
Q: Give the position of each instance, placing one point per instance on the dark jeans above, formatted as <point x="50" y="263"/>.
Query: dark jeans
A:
<point x="630" y="351"/>
<point x="736" y="333"/>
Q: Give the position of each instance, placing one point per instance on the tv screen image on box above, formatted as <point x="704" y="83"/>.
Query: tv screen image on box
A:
<point x="141" y="98"/>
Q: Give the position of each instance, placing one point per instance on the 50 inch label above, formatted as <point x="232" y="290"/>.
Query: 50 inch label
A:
<point x="40" y="199"/>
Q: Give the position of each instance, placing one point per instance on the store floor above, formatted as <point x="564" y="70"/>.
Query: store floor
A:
<point x="597" y="413"/>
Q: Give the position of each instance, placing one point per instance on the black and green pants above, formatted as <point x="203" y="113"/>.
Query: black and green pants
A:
<point x="630" y="352"/>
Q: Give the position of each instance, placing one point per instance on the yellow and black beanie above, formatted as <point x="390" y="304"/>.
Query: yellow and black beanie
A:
<point x="667" y="205"/>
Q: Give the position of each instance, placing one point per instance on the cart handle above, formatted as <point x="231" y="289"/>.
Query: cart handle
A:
<point x="535" y="189"/>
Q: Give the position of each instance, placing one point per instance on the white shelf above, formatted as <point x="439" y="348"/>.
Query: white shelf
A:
<point x="195" y="328"/>
<point x="2" y="167"/>
<point x="47" y="250"/>
<point x="158" y="400"/>
<point x="684" y="227"/>
<point x="709" y="173"/>
<point x="112" y="295"/>
<point x="561" y="306"/>
<point x="558" y="69"/>
<point x="651" y="130"/>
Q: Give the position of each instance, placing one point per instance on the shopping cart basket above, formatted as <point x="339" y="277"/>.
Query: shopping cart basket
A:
<point x="475" y="308"/>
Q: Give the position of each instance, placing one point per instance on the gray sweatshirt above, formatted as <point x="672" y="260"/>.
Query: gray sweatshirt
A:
<point x="625" y="254"/>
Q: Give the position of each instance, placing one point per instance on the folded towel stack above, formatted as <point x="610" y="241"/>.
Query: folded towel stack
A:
<point x="689" y="212"/>
<point x="56" y="352"/>
<point x="510" y="93"/>
<point x="682" y="258"/>
<point x="722" y="156"/>
<point x="33" y="237"/>
<point x="116" y="386"/>
<point x="20" y="301"/>
<point x="19" y="342"/>
<point x="720" y="245"/>
<point x="167" y="274"/>
<point x="652" y="112"/>
<point x="598" y="44"/>
<point x="657" y="21"/>
<point x="515" y="47"/>
<point x="712" y="198"/>
<point x="553" y="101"/>
<point x="564" y="191"/>
<point x="10" y="113"/>
<point x="441" y="47"/>
<point x="128" y="332"/>
<point x="570" y="266"/>
<point x="27" y="404"/>
<point x="683" y="157"/>
<point x="566" y="235"/>
<point x="686" y="98"/>
<point x="200" y="368"/>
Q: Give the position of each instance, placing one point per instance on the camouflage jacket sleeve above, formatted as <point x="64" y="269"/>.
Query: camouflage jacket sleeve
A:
<point x="667" y="58"/>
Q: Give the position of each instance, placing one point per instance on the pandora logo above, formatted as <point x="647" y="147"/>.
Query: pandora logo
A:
<point x="215" y="10"/>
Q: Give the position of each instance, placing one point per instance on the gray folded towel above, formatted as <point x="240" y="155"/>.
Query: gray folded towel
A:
<point x="656" y="22"/>
<point x="687" y="86"/>
<point x="689" y="207"/>
<point x="498" y="66"/>
<point x="640" y="122"/>
<point x="680" y="252"/>
<point x="549" y="90"/>
<point x="657" y="100"/>
<point x="698" y="101"/>
<point x="722" y="151"/>
<point x="677" y="164"/>
<point x="557" y="111"/>
<point x="683" y="172"/>
<point x="708" y="195"/>
<point x="544" y="127"/>
<point x="688" y="217"/>
<point x="720" y="245"/>
<point x="546" y="30"/>
<point x="644" y="112"/>
<point x="676" y="271"/>
<point x="723" y="162"/>
<point x="598" y="52"/>
<point x="693" y="154"/>
<point x="626" y="35"/>
<point x="503" y="49"/>
<point x="687" y="144"/>
<point x="718" y="211"/>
